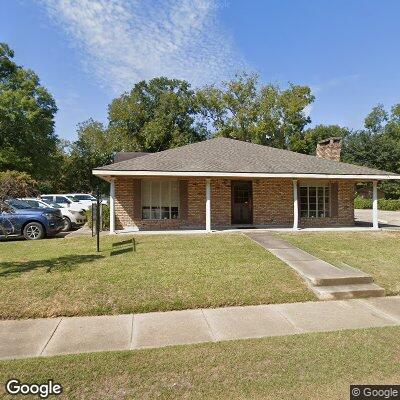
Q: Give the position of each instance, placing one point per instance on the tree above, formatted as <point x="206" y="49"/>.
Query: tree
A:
<point x="155" y="116"/>
<point x="91" y="150"/>
<point x="16" y="184"/>
<point x="378" y="145"/>
<point x="244" y="110"/>
<point x="313" y="135"/>
<point x="375" y="119"/>
<point x="27" y="139"/>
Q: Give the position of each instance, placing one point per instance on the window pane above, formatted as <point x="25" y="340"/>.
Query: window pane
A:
<point x="175" y="194"/>
<point x="314" y="201"/>
<point x="164" y="212"/>
<point x="165" y="194"/>
<point x="146" y="213"/>
<point x="174" y="212"/>
<point x="146" y="193"/>
<point x="146" y="199"/>
<point x="160" y="199"/>
<point x="155" y="200"/>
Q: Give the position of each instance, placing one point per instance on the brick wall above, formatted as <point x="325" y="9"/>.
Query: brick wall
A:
<point x="272" y="205"/>
<point x="124" y="202"/>
<point x="220" y="202"/>
<point x="272" y="202"/>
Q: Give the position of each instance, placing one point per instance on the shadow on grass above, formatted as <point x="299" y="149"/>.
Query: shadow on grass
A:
<point x="60" y="263"/>
<point x="130" y="241"/>
<point x="121" y="251"/>
<point x="125" y="246"/>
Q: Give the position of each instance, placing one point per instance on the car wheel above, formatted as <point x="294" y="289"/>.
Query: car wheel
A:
<point x="33" y="231"/>
<point x="66" y="225"/>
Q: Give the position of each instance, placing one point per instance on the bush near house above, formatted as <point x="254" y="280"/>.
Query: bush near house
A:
<point x="383" y="204"/>
<point x="105" y="220"/>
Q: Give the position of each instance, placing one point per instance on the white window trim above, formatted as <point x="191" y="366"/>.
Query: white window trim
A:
<point x="152" y="182"/>
<point x="316" y="186"/>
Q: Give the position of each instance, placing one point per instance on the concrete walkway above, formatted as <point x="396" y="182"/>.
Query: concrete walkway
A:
<point x="48" y="337"/>
<point x="327" y="281"/>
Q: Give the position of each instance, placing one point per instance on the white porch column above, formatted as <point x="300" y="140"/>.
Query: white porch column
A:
<point x="295" y="206"/>
<point x="375" y="223"/>
<point x="112" y="206"/>
<point x="208" y="205"/>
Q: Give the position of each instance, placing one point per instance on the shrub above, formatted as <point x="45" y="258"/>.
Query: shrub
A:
<point x="383" y="204"/>
<point x="105" y="220"/>
<point x="17" y="184"/>
<point x="361" y="203"/>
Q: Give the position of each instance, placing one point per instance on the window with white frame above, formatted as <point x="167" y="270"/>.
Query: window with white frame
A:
<point x="160" y="199"/>
<point x="315" y="201"/>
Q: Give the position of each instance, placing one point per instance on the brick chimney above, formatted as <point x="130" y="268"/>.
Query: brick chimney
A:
<point x="330" y="148"/>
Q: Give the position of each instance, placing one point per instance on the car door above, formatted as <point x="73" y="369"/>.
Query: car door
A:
<point x="8" y="222"/>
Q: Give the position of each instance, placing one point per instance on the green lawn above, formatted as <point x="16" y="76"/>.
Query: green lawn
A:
<point x="377" y="253"/>
<point x="67" y="277"/>
<point x="307" y="366"/>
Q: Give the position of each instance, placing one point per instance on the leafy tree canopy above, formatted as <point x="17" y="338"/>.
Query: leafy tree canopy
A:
<point x="16" y="184"/>
<point x="154" y="116"/>
<point x="27" y="139"/>
<point x="243" y="109"/>
<point x="313" y="135"/>
<point x="91" y="150"/>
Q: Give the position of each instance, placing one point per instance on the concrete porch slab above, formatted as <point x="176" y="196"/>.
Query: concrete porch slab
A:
<point x="331" y="316"/>
<point x="247" y="322"/>
<point x="169" y="328"/>
<point x="90" y="334"/>
<point x="25" y="338"/>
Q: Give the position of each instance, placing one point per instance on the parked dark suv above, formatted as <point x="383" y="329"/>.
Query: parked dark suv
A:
<point x="18" y="218"/>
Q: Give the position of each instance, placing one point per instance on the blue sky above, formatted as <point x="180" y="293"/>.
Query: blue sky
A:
<point x="88" y="52"/>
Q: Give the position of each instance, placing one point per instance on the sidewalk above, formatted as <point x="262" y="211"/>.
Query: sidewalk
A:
<point x="52" y="336"/>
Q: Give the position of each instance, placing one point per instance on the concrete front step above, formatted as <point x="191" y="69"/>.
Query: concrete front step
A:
<point x="355" y="291"/>
<point x="341" y="280"/>
<point x="321" y="273"/>
<point x="327" y="281"/>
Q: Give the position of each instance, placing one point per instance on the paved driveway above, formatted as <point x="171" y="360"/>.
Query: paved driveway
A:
<point x="388" y="219"/>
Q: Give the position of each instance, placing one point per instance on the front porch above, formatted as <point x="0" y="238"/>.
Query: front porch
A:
<point x="202" y="204"/>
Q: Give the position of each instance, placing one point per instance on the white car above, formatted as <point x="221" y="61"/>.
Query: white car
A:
<point x="64" y="201"/>
<point x="85" y="198"/>
<point x="71" y="218"/>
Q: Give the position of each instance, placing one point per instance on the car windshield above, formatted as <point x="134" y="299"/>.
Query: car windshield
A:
<point x="19" y="204"/>
<point x="84" y="197"/>
<point x="53" y="204"/>
<point x="72" y="198"/>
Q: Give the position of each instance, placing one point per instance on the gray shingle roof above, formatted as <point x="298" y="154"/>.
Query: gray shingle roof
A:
<point x="235" y="156"/>
<point x="127" y="155"/>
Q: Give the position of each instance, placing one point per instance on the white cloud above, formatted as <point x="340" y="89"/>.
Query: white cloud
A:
<point x="124" y="41"/>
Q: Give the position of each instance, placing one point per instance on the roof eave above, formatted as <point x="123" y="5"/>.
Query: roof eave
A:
<point x="109" y="173"/>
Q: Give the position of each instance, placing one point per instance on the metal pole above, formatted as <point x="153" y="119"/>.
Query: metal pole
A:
<point x="93" y="210"/>
<point x="98" y="218"/>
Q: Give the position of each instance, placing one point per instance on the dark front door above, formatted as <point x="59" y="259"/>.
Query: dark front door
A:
<point x="242" y="202"/>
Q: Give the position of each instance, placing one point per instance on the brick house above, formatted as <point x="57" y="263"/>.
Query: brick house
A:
<point x="225" y="183"/>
